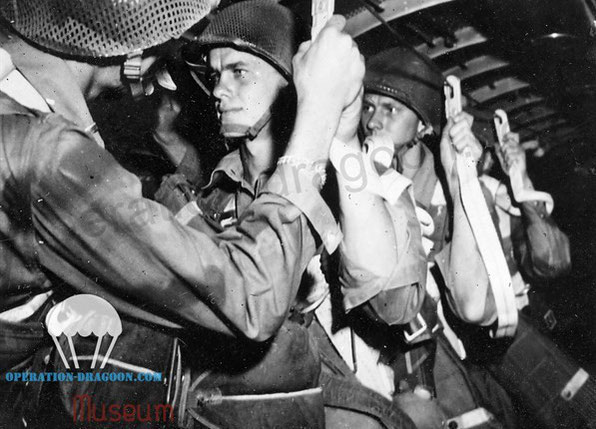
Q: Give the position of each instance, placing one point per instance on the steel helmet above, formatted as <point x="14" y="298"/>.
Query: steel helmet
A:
<point x="401" y="74"/>
<point x="260" y="27"/>
<point x="102" y="28"/>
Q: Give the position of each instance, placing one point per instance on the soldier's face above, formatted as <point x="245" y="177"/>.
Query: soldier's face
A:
<point x="245" y="86"/>
<point x="382" y="113"/>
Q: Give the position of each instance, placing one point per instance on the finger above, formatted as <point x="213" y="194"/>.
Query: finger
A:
<point x="336" y="21"/>
<point x="508" y="160"/>
<point x="512" y="138"/>
<point x="459" y="129"/>
<point x="463" y="142"/>
<point x="512" y="151"/>
<point x="468" y="140"/>
<point x="302" y="49"/>
<point x="447" y="130"/>
<point x="510" y="147"/>
<point x="506" y="148"/>
<point x="465" y="118"/>
<point x="459" y="134"/>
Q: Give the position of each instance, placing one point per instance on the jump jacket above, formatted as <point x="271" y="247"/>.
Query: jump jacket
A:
<point x="72" y="219"/>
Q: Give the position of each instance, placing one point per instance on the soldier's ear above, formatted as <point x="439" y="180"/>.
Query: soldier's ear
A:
<point x="423" y="129"/>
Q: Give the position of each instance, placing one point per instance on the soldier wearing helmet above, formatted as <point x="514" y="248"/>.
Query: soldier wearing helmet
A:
<point x="368" y="380"/>
<point x="403" y="103"/>
<point x="247" y="67"/>
<point x="403" y="99"/>
<point x="75" y="221"/>
<point x="107" y="45"/>
<point x="238" y="35"/>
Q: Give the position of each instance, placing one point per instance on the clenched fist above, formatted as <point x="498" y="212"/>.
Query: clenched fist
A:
<point x="328" y="71"/>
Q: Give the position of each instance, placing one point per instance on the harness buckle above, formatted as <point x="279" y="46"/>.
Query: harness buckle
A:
<point x="418" y="325"/>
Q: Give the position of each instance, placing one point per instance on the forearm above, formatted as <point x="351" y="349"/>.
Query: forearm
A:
<point x="383" y="262"/>
<point x="314" y="129"/>
<point x="464" y="271"/>
<point x="95" y="225"/>
<point x="367" y="227"/>
<point x="460" y="262"/>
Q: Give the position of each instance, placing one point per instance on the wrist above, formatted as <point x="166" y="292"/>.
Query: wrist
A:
<point x="314" y="129"/>
<point x="526" y="180"/>
<point x="316" y="170"/>
<point x="318" y="106"/>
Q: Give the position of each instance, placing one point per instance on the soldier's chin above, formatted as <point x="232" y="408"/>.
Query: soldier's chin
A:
<point x="233" y="130"/>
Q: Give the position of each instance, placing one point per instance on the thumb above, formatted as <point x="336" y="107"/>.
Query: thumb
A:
<point x="302" y="49"/>
<point x="336" y="21"/>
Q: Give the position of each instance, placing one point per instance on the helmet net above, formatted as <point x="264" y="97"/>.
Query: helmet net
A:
<point x="261" y="27"/>
<point x="102" y="28"/>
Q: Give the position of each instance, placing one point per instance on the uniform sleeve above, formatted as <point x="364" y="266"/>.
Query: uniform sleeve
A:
<point x="541" y="248"/>
<point x="395" y="299"/>
<point x="98" y="235"/>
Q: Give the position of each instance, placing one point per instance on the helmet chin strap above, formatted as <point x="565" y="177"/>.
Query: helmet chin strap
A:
<point x="237" y="130"/>
<point x="423" y="130"/>
<point x="131" y="69"/>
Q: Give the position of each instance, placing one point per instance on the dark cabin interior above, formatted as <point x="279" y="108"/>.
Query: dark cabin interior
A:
<point x="534" y="59"/>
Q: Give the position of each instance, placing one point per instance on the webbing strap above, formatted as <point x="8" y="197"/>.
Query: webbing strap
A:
<point x="470" y="419"/>
<point x="321" y="11"/>
<point x="482" y="227"/>
<point x="520" y="192"/>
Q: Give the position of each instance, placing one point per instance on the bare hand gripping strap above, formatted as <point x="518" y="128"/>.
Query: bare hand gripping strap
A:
<point x="520" y="193"/>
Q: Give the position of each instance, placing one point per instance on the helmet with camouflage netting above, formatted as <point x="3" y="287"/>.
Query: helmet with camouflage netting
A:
<point x="260" y="27"/>
<point x="102" y="28"/>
